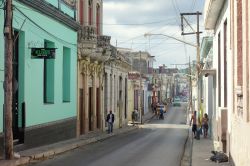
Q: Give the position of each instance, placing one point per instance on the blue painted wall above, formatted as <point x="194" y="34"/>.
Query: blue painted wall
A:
<point x="31" y="70"/>
<point x="63" y="7"/>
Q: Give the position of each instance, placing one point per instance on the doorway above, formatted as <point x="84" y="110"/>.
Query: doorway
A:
<point x="15" y="104"/>
<point x="90" y="109"/>
<point x="98" y="109"/>
<point x="81" y="112"/>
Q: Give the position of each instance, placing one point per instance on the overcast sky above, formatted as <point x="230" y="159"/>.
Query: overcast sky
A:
<point x="126" y="21"/>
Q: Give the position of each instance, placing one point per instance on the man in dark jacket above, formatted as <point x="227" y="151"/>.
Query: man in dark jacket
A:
<point x="110" y="120"/>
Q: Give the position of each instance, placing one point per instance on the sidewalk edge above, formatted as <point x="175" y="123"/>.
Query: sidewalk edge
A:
<point x="186" y="159"/>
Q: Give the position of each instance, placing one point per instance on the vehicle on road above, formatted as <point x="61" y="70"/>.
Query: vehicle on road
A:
<point x="177" y="102"/>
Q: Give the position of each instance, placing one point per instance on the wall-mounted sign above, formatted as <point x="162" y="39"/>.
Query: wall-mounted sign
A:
<point x="43" y="53"/>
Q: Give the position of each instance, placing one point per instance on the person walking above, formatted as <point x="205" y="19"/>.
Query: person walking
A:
<point x="205" y="125"/>
<point x="194" y="126"/>
<point x="133" y="117"/>
<point x="110" y="120"/>
<point x="161" y="113"/>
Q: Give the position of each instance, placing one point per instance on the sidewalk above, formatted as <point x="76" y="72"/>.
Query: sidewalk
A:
<point x="148" y="116"/>
<point x="48" y="151"/>
<point x="145" y="119"/>
<point x="198" y="152"/>
<point x="201" y="153"/>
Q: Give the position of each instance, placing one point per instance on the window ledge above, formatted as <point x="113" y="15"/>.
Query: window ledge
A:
<point x="48" y="103"/>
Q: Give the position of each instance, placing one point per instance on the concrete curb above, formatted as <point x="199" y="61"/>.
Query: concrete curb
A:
<point x="68" y="147"/>
<point x="52" y="151"/>
<point x="187" y="154"/>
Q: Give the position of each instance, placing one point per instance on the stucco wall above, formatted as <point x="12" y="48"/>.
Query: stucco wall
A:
<point x="1" y="70"/>
<point x="240" y="145"/>
<point x="130" y="99"/>
<point x="31" y="70"/>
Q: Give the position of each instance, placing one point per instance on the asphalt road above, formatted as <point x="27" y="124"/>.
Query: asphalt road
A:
<point x="158" y="143"/>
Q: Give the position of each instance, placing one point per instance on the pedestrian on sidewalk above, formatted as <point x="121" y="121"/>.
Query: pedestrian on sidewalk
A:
<point x="110" y="120"/>
<point x="133" y="117"/>
<point x="205" y="125"/>
<point x="194" y="126"/>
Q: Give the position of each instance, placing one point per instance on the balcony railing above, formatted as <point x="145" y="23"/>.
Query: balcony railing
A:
<point x="103" y="41"/>
<point x="86" y="34"/>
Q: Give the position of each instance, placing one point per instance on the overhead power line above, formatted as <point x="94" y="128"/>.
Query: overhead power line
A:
<point x="49" y="33"/>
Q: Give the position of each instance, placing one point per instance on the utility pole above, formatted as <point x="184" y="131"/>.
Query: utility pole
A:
<point x="8" y="37"/>
<point x="190" y="88"/>
<point x="197" y="107"/>
<point x="140" y="90"/>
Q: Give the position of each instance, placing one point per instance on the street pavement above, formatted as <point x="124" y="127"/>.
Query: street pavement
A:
<point x="159" y="143"/>
<point x="202" y="152"/>
<point x="51" y="150"/>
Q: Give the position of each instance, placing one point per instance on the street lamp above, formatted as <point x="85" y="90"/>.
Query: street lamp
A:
<point x="160" y="34"/>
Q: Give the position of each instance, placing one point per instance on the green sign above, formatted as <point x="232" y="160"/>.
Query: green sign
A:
<point x="43" y="53"/>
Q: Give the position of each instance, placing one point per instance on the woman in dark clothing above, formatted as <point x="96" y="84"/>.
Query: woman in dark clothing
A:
<point x="205" y="124"/>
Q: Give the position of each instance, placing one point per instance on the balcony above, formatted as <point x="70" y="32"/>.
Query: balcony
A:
<point x="103" y="50"/>
<point x="103" y="41"/>
<point x="212" y="11"/>
<point x="98" y="48"/>
<point x="87" y="34"/>
<point x="87" y="41"/>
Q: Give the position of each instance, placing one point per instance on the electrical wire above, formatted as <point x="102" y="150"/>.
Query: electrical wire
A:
<point x="133" y="24"/>
<point x="44" y="30"/>
<point x="142" y="35"/>
<point x="107" y="24"/>
<point x="176" y="11"/>
<point x="193" y="5"/>
<point x="3" y="1"/>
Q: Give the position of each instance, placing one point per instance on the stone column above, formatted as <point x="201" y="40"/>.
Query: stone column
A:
<point x="86" y="99"/>
<point x="101" y="17"/>
<point x="107" y="96"/>
<point x="108" y="91"/>
<point x="86" y="12"/>
<point x="94" y="13"/>
<point x="101" y="98"/>
<point x="94" y="99"/>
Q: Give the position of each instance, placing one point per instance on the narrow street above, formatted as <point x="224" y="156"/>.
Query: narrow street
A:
<point x="159" y="143"/>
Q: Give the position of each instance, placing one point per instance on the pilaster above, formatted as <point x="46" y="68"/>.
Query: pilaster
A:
<point x="94" y="114"/>
<point x="94" y="13"/>
<point x="86" y="99"/>
<point x="101" y="17"/>
<point x="85" y="12"/>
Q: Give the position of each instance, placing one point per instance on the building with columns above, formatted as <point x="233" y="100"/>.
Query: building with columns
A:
<point x="116" y="87"/>
<point x="93" y="51"/>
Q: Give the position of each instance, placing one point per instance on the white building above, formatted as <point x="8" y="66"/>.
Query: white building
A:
<point x="217" y="18"/>
<point x="230" y="21"/>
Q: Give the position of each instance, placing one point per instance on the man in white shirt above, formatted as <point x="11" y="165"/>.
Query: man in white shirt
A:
<point x="110" y="120"/>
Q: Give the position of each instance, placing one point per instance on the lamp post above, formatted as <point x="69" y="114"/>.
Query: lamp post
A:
<point x="172" y="37"/>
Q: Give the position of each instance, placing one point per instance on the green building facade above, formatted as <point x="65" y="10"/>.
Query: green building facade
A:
<point x="44" y="82"/>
